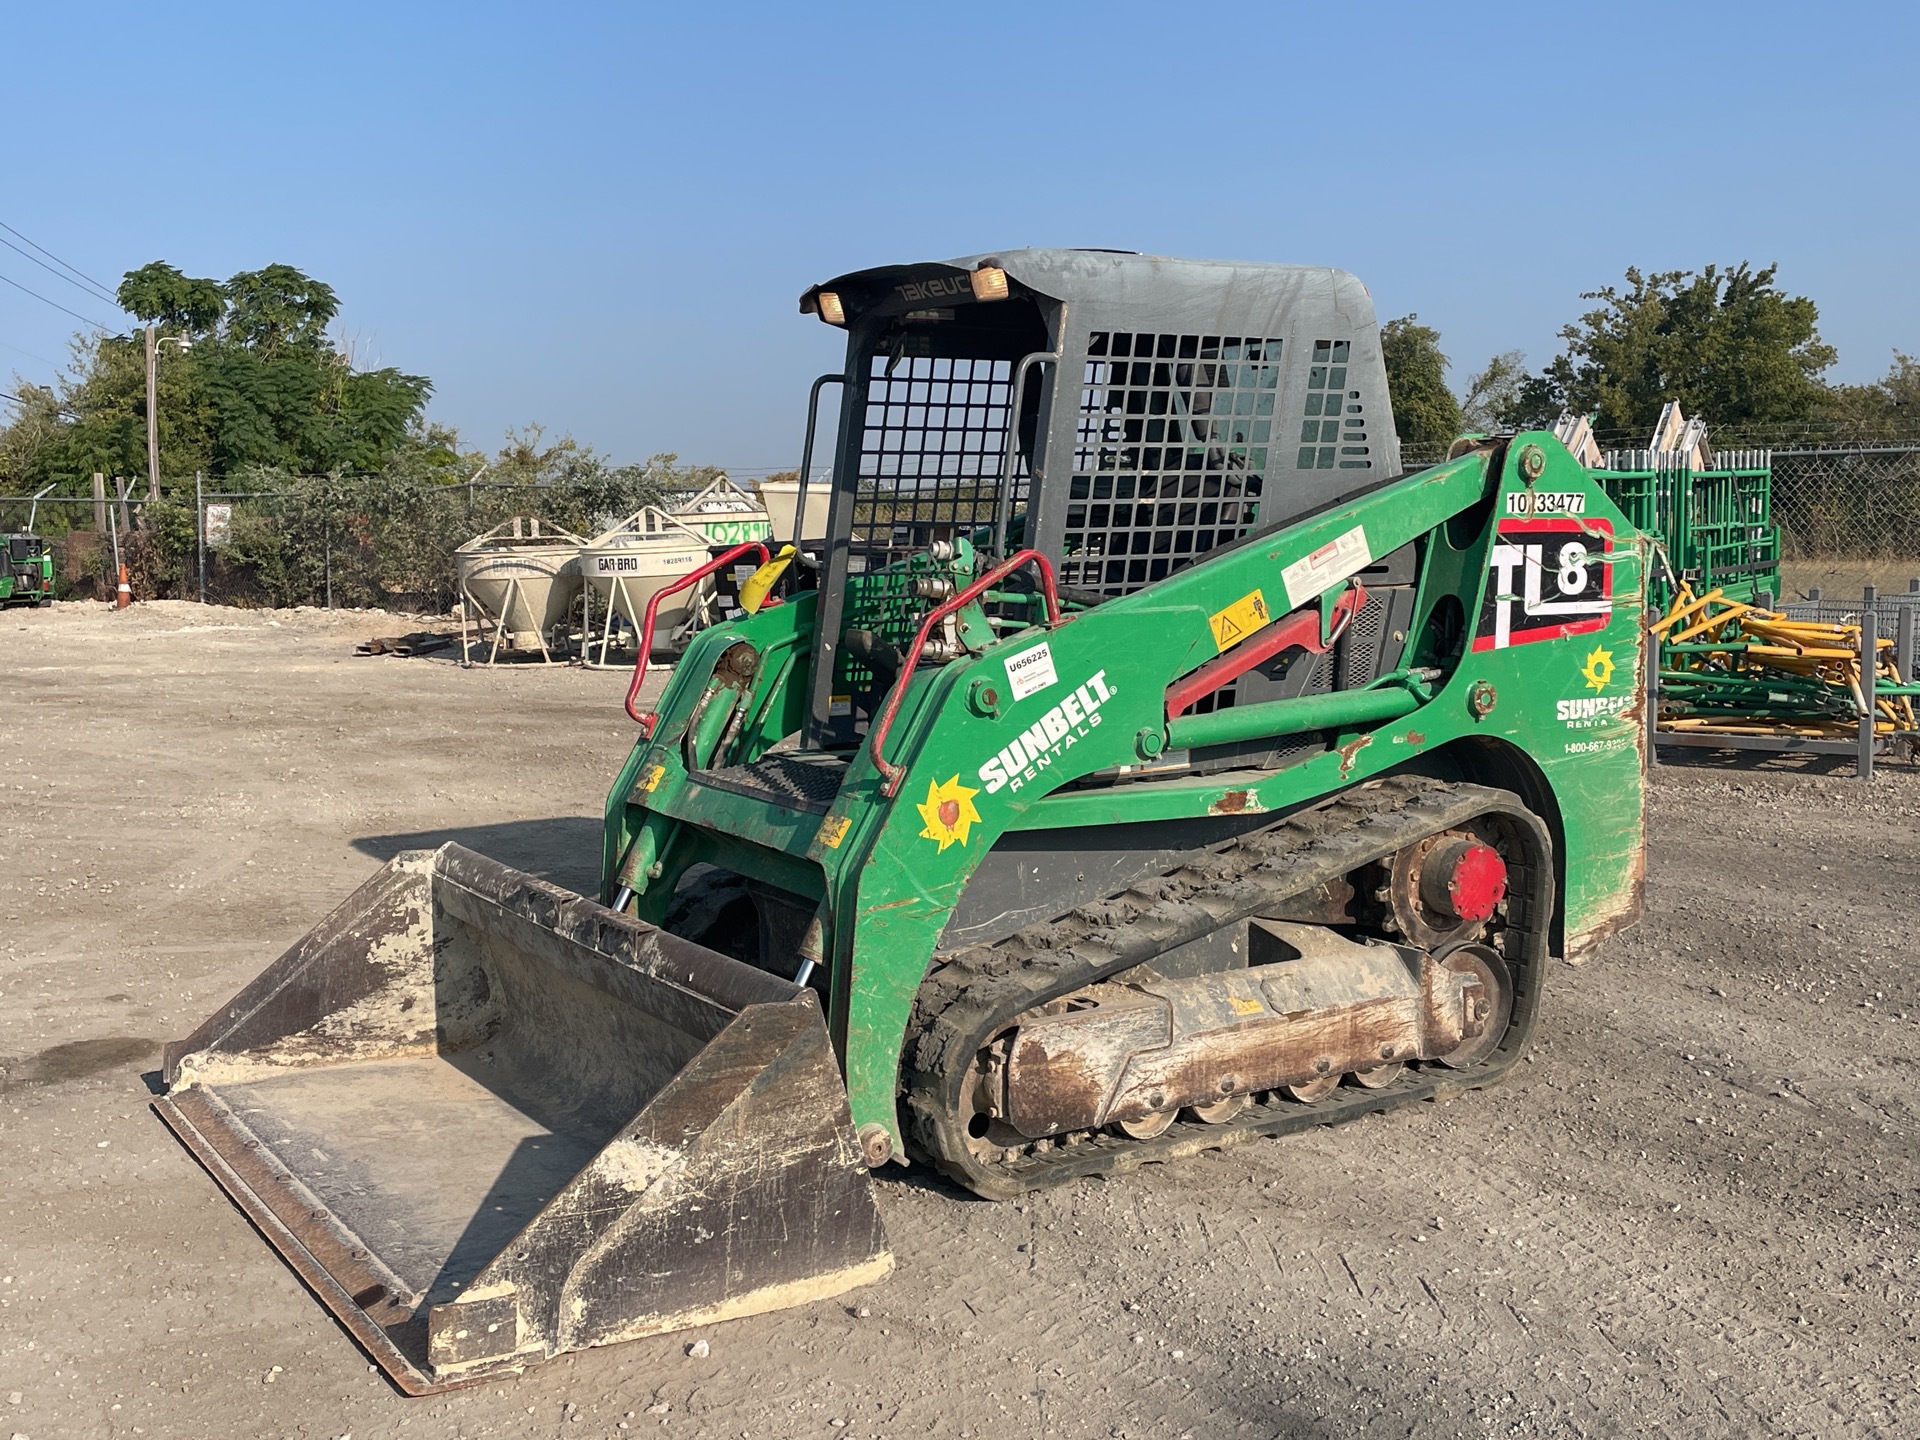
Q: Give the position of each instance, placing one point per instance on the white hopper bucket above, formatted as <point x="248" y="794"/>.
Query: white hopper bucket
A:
<point x="524" y="574"/>
<point x="723" y="513"/>
<point x="626" y="566"/>
<point x="781" y="499"/>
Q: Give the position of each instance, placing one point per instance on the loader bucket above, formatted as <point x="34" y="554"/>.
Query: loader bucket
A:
<point x="488" y="1121"/>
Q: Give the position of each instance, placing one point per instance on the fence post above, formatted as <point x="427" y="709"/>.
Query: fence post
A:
<point x="99" y="503"/>
<point x="328" y="525"/>
<point x="200" y="531"/>
<point x="1652" y="699"/>
<point x="1909" y="616"/>
<point x="1869" y="662"/>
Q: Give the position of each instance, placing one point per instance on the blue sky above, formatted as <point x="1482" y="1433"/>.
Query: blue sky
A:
<point x="600" y="218"/>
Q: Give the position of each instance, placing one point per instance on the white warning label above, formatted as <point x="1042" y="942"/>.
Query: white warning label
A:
<point x="1326" y="567"/>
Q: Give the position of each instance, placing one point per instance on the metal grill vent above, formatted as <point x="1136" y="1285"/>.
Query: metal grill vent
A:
<point x="1333" y="432"/>
<point x="1360" y="649"/>
<point x="932" y="454"/>
<point x="1172" y="449"/>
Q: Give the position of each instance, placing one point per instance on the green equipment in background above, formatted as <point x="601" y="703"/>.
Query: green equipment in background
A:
<point x="26" y="570"/>
<point x="1714" y="523"/>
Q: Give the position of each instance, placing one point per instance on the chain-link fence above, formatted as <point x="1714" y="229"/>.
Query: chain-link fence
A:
<point x="1848" y="516"/>
<point x="1848" y="513"/>
<point x="330" y="540"/>
<point x="1847" y="509"/>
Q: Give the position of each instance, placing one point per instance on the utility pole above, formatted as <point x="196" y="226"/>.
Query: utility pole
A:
<point x="153" y="417"/>
<point x="200" y="531"/>
<point x="154" y="342"/>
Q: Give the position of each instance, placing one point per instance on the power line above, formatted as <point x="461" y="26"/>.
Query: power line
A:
<point x="61" y="409"/>
<point x="91" y="290"/>
<point x="51" y="256"/>
<point x="103" y="329"/>
<point x="5" y="345"/>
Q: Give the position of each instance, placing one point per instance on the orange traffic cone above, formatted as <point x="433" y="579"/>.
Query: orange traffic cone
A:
<point x="124" y="597"/>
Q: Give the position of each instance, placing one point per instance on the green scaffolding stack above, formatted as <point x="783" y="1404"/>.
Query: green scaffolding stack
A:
<point x="1715" y="526"/>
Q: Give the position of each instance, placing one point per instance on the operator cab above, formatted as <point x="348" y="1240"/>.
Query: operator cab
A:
<point x="1121" y="414"/>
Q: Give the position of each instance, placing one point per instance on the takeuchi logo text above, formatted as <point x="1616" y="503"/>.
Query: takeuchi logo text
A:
<point x="1036" y="748"/>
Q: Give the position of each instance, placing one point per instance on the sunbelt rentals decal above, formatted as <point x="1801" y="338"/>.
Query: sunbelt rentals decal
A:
<point x="1583" y="712"/>
<point x="1035" y="748"/>
<point x="1596" y="711"/>
<point x="1586" y="711"/>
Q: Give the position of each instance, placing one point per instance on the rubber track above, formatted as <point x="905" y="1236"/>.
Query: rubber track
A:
<point x="979" y="991"/>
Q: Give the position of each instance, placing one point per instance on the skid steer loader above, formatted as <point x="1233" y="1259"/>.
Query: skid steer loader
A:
<point x="1140" y="764"/>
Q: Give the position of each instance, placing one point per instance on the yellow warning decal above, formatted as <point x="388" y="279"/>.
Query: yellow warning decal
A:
<point x="835" y="830"/>
<point x="1243" y="1006"/>
<point x="1239" y="620"/>
<point x="652" y="779"/>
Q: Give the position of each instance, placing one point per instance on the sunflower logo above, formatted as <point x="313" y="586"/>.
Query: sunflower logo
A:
<point x="1598" y="670"/>
<point x="949" y="812"/>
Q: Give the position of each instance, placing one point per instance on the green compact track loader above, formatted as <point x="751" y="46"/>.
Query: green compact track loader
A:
<point x="26" y="570"/>
<point x="1139" y="764"/>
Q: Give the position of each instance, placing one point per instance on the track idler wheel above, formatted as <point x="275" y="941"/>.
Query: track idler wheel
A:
<point x="1380" y="1076"/>
<point x="1493" y="1003"/>
<point x="1222" y="1110"/>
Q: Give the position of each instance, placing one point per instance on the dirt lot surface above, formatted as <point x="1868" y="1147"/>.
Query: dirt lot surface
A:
<point x="1693" y="1214"/>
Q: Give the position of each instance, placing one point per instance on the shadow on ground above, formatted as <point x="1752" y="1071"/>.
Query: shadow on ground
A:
<point x="75" y="1060"/>
<point x="564" y="849"/>
<point x="1800" y="762"/>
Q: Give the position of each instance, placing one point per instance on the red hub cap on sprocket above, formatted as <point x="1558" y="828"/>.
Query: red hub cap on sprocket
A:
<point x="1464" y="877"/>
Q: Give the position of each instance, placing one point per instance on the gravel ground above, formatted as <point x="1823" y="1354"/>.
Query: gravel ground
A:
<point x="1692" y="1213"/>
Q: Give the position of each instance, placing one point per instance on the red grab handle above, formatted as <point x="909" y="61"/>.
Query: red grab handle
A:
<point x="1301" y="628"/>
<point x="646" y="720"/>
<point x="895" y="773"/>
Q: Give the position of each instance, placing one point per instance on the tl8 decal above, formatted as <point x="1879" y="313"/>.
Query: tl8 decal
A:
<point x="1546" y="579"/>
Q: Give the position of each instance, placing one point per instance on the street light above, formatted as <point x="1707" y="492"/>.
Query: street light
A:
<point x="153" y="405"/>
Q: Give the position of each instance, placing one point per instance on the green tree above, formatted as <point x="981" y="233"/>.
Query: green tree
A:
<point x="1885" y="409"/>
<point x="261" y="386"/>
<point x="37" y="422"/>
<point x="1729" y="345"/>
<point x="161" y="295"/>
<point x="1493" y="399"/>
<point x="94" y="419"/>
<point x="278" y="307"/>
<point x="1425" y="413"/>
